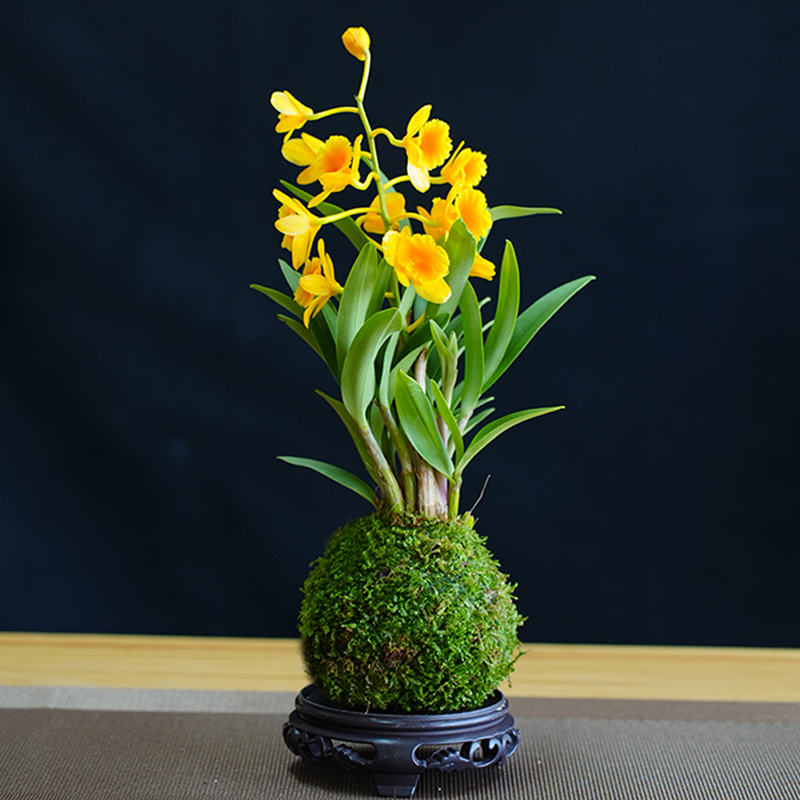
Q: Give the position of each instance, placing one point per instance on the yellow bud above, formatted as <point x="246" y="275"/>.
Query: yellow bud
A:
<point x="356" y="40"/>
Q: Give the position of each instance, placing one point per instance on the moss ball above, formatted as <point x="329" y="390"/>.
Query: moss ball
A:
<point x="408" y="615"/>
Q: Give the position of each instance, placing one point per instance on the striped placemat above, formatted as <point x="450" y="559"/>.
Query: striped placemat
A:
<point x="78" y="743"/>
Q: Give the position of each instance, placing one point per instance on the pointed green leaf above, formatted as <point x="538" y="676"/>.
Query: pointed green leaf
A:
<point x="337" y="474"/>
<point x="488" y="434"/>
<point x="355" y="299"/>
<point x="322" y="328"/>
<point x="280" y="298"/>
<point x="319" y="327"/>
<point x="507" y="309"/>
<point x="358" y="370"/>
<point x="403" y="365"/>
<point x="507" y="212"/>
<point x="339" y="408"/>
<point x="418" y="422"/>
<point x="447" y="358"/>
<point x="331" y="318"/>
<point x="439" y="339"/>
<point x="303" y="332"/>
<point x="531" y="321"/>
<point x="473" y="351"/>
<point x="460" y="248"/>
<point x="406" y="301"/>
<point x="291" y="276"/>
<point x="420" y="338"/>
<point x="447" y="415"/>
<point x="386" y="371"/>
<point x="476" y="419"/>
<point x="378" y="296"/>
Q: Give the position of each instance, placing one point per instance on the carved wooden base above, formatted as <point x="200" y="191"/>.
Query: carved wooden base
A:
<point x="398" y="748"/>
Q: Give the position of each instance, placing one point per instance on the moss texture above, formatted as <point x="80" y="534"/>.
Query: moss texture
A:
<point x="408" y="614"/>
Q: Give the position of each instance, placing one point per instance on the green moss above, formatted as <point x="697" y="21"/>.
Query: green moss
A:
<point x="408" y="614"/>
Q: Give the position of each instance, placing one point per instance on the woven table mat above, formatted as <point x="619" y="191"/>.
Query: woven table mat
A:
<point x="86" y="744"/>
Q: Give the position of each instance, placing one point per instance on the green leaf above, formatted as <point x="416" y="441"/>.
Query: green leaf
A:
<point x="337" y="474"/>
<point x="283" y="300"/>
<point x="347" y="225"/>
<point x="358" y="370"/>
<point x="420" y="338"/>
<point x="447" y="357"/>
<point x="418" y="422"/>
<point x="476" y="419"/>
<point x="460" y="248"/>
<point x="331" y="318"/>
<point x="378" y="428"/>
<point x="508" y="212"/>
<point x="473" y="351"/>
<point x="303" y="332"/>
<point x="447" y="415"/>
<point x="387" y="382"/>
<point x="291" y="276"/>
<point x="488" y="434"/>
<point x="507" y="309"/>
<point x="531" y="321"/>
<point x="439" y="339"/>
<point x="322" y="327"/>
<point x="406" y="301"/>
<point x="383" y="273"/>
<point x="386" y="371"/>
<point x="323" y="335"/>
<point x="355" y="299"/>
<point x="339" y="408"/>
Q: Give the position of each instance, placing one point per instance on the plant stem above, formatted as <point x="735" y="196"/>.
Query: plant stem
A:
<point x="454" y="498"/>
<point x="390" y="488"/>
<point x="331" y="111"/>
<point x="362" y="90"/>
<point x="373" y="152"/>
<point x="403" y="455"/>
<point x="430" y="501"/>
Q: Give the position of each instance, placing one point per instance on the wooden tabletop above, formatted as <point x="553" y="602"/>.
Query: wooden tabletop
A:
<point x="546" y="670"/>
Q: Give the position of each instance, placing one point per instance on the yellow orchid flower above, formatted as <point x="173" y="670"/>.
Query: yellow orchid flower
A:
<point x="427" y="144"/>
<point x="302" y="151"/>
<point x="292" y="114"/>
<point x="356" y="40"/>
<point x="440" y="219"/>
<point x="465" y="169"/>
<point x="298" y="226"/>
<point x="472" y="208"/>
<point x="418" y="260"/>
<point x="334" y="162"/>
<point x="317" y="284"/>
<point x="444" y="213"/>
<point x="372" y="221"/>
<point x="482" y="268"/>
<point x="345" y="174"/>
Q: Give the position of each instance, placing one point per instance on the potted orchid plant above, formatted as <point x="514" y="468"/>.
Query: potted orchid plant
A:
<point x="406" y="611"/>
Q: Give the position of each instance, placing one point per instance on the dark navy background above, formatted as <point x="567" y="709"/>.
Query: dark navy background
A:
<point x="145" y="390"/>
